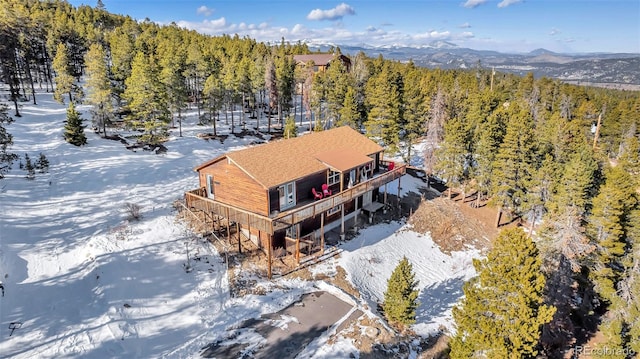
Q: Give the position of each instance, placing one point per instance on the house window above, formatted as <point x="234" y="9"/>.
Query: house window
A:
<point x="365" y="171"/>
<point x="334" y="177"/>
<point x="367" y="168"/>
<point x="211" y="189"/>
<point x="334" y="210"/>
<point x="287" y="195"/>
<point x="352" y="178"/>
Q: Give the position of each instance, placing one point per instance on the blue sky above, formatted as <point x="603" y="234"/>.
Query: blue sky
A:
<point x="571" y="26"/>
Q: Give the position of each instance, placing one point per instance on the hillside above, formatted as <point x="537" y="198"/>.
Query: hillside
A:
<point x="82" y="279"/>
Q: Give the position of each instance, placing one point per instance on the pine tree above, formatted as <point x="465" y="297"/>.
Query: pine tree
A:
<point x="452" y="154"/>
<point x="620" y="326"/>
<point x="173" y="64"/>
<point x="64" y="78"/>
<point x="213" y="97"/>
<point x="401" y="296"/>
<point x="100" y="93"/>
<point x="514" y="163"/>
<point x="6" y="140"/>
<point x="29" y="167"/>
<point x="437" y="117"/>
<point x="502" y="313"/>
<point x="42" y="163"/>
<point x="121" y="46"/>
<point x="195" y="71"/>
<point x="318" y="100"/>
<point x="415" y="108"/>
<point x="337" y="83"/>
<point x="384" y="96"/>
<point x="608" y="226"/>
<point x="490" y="135"/>
<point x="146" y="100"/>
<point x="9" y="47"/>
<point x="577" y="181"/>
<point x="542" y="186"/>
<point x="271" y="84"/>
<point x="290" y="128"/>
<point x="349" y="114"/>
<point x="285" y="78"/>
<point x="630" y="157"/>
<point x="73" y="129"/>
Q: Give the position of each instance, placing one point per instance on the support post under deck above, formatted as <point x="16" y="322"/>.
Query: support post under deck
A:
<point x="322" y="233"/>
<point x="342" y="222"/>
<point x="399" y="193"/>
<point x="239" y="238"/>
<point x="269" y="256"/>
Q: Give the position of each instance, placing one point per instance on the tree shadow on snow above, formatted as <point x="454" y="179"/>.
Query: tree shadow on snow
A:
<point x="438" y="298"/>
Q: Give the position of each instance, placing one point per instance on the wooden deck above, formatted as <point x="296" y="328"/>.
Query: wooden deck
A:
<point x="197" y="199"/>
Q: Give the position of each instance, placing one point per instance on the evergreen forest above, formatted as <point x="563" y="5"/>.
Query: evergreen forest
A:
<point x="562" y="160"/>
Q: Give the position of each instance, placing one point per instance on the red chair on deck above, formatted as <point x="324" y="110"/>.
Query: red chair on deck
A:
<point x="391" y="166"/>
<point x="316" y="195"/>
<point x="325" y="190"/>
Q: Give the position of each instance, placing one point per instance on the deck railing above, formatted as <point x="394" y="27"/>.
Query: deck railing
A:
<point x="298" y="214"/>
<point x="198" y="199"/>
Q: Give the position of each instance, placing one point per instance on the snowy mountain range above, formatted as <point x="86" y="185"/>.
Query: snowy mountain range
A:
<point x="618" y="70"/>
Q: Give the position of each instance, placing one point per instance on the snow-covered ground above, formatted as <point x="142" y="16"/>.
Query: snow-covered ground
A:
<point x="370" y="258"/>
<point x="82" y="281"/>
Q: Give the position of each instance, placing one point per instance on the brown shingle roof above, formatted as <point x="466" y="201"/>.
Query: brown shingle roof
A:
<point x="318" y="59"/>
<point x="343" y="160"/>
<point x="321" y="59"/>
<point x="282" y="161"/>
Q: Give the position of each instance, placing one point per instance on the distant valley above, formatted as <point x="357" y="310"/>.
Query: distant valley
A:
<point x="612" y="70"/>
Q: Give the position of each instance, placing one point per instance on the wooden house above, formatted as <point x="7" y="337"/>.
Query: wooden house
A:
<point x="322" y="61"/>
<point x="273" y="192"/>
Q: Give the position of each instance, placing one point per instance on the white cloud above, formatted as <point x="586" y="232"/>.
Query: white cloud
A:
<point x="474" y="3"/>
<point x="554" y="32"/>
<point x="219" y="23"/>
<point x="372" y="35"/>
<point x="505" y="3"/>
<point x="464" y="26"/>
<point x="203" y="10"/>
<point x="298" y="29"/>
<point x="211" y="27"/>
<point x="434" y="35"/>
<point x="336" y="13"/>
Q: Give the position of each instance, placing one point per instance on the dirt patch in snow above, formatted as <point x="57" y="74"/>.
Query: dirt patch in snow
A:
<point x="454" y="226"/>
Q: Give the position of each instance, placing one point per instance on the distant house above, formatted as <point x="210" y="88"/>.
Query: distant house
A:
<point x="322" y="61"/>
<point x="273" y="193"/>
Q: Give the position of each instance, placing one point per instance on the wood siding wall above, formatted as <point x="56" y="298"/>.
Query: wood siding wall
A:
<point x="234" y="187"/>
<point x="303" y="190"/>
<point x="304" y="185"/>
